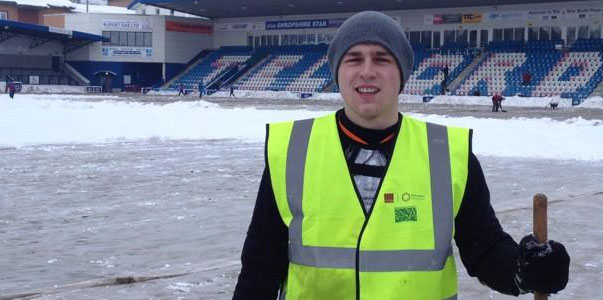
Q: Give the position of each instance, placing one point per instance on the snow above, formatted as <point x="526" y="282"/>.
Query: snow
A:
<point x="75" y="6"/>
<point x="53" y="89"/>
<point x="61" y="119"/>
<point x="515" y="101"/>
<point x="175" y="194"/>
<point x="532" y="138"/>
<point x="105" y="9"/>
<point x="44" y="3"/>
<point x="593" y="102"/>
<point x="509" y="101"/>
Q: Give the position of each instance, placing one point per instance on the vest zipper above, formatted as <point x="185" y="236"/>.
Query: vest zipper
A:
<point x="359" y="197"/>
<point x="369" y="213"/>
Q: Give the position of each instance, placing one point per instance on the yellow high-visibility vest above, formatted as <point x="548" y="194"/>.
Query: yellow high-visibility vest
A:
<point x="402" y="248"/>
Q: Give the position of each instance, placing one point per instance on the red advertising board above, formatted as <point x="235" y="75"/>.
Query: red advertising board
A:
<point x="188" y="27"/>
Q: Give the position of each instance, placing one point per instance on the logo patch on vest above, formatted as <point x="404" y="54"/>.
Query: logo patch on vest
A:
<point x="405" y="214"/>
<point x="402" y="197"/>
<point x="388" y="198"/>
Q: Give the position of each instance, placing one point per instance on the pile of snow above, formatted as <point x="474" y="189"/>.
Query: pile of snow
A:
<point x="54" y="89"/>
<point x="575" y="138"/>
<point x="405" y="98"/>
<point x="44" y="3"/>
<point x="53" y="119"/>
<point x="104" y="9"/>
<point x="163" y="92"/>
<point x="297" y="95"/>
<point x="48" y="89"/>
<point x="592" y="102"/>
<point x="45" y="119"/>
<point x="515" y="101"/>
<point x="72" y="97"/>
<point x="509" y="101"/>
<point x="259" y="94"/>
<point x="95" y="2"/>
<point x="92" y="8"/>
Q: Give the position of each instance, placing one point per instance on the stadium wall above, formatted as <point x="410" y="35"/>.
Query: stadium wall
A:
<point x="174" y="41"/>
<point x="142" y="74"/>
<point x="55" y="20"/>
<point x="29" y="15"/>
<point x="11" y="10"/>
<point x="185" y="38"/>
<point x="25" y="61"/>
<point x="20" y="45"/>
<point x="171" y="70"/>
<point x="231" y="32"/>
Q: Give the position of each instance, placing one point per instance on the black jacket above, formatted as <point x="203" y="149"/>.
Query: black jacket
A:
<point x="485" y="249"/>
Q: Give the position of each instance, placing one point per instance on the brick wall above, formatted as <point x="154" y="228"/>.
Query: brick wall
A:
<point x="122" y="3"/>
<point x="54" y="20"/>
<point x="13" y="12"/>
<point x="28" y="16"/>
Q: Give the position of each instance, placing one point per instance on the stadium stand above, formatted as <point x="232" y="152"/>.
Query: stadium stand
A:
<point x="291" y="68"/>
<point x="46" y="76"/>
<point x="44" y="69"/>
<point x="427" y="76"/>
<point x="569" y="73"/>
<point x="210" y="66"/>
<point x="572" y="72"/>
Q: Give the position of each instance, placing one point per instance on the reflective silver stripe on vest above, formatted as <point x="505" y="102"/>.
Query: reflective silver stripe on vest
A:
<point x="373" y="261"/>
<point x="296" y="163"/>
<point x="441" y="190"/>
<point x="450" y="298"/>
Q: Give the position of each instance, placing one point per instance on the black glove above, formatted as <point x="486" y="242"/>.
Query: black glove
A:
<point x="542" y="267"/>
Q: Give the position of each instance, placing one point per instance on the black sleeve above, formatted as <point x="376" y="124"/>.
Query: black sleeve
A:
<point x="488" y="253"/>
<point x="264" y="259"/>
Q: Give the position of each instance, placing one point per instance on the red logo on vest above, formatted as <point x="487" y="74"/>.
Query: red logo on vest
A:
<point x="388" y="198"/>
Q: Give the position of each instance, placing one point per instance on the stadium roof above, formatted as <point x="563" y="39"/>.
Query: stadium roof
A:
<point x="255" y="8"/>
<point x="42" y="34"/>
<point x="66" y="4"/>
<point x="40" y="3"/>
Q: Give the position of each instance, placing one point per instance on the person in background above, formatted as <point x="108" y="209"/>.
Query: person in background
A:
<point x="11" y="88"/>
<point x="526" y="78"/>
<point x="443" y="87"/>
<point x="201" y="89"/>
<point x="444" y="82"/>
<point x="232" y="88"/>
<point x="497" y="102"/>
<point x="445" y="70"/>
<point x="181" y="91"/>
<point x="363" y="203"/>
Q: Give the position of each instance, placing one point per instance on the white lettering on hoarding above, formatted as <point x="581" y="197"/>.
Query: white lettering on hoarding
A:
<point x="126" y="52"/>
<point x="126" y="24"/>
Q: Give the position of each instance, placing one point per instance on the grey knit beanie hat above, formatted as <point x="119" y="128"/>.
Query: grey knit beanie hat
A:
<point x="372" y="27"/>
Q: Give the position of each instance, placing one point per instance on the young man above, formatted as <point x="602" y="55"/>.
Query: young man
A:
<point x="364" y="203"/>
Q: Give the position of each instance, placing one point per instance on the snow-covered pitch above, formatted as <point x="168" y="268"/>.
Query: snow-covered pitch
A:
<point x="101" y="119"/>
<point x="96" y="187"/>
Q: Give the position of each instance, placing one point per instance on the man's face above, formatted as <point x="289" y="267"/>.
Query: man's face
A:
<point x="369" y="82"/>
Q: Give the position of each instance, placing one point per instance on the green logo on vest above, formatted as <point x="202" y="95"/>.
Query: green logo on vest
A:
<point x="406" y="214"/>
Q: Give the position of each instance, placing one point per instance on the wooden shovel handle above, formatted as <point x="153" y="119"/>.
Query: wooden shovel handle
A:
<point x="540" y="229"/>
